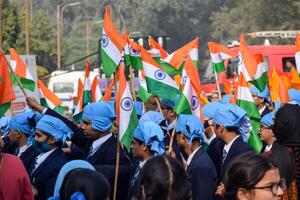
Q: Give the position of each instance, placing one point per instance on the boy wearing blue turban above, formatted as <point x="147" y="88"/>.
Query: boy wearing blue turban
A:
<point x="21" y="131"/>
<point x="147" y="142"/>
<point x="227" y="120"/>
<point x="261" y="100"/>
<point x="50" y="134"/>
<point x="200" y="168"/>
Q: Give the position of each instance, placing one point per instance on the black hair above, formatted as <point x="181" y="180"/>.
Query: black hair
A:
<point x="245" y="171"/>
<point x="163" y="177"/>
<point x="92" y="184"/>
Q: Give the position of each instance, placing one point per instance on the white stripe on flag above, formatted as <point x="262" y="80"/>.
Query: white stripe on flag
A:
<point x="111" y="50"/>
<point x="126" y="108"/>
<point x="244" y="94"/>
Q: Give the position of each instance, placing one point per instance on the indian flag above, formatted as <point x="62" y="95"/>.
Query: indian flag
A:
<point x="78" y="111"/>
<point x="297" y="53"/>
<point x="112" y="45"/>
<point x="142" y="91"/>
<point x="158" y="82"/>
<point x="87" y="88"/>
<point x="252" y="67"/>
<point x="188" y="101"/>
<point x="133" y="54"/>
<point x="48" y="98"/>
<point x="218" y="54"/>
<point x="96" y="91"/>
<point x="21" y="71"/>
<point x="108" y="94"/>
<point x="7" y="93"/>
<point x="156" y="51"/>
<point x="178" y="57"/>
<point x="245" y="100"/>
<point x="126" y="116"/>
<point x="260" y="79"/>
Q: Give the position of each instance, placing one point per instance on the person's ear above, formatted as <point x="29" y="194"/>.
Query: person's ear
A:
<point x="51" y="140"/>
<point x="145" y="147"/>
<point x="243" y="194"/>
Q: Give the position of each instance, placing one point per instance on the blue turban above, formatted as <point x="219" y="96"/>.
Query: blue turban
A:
<point x="152" y="135"/>
<point x="191" y="126"/>
<point x="264" y="94"/>
<point x="55" y="127"/>
<point x="155" y="117"/>
<point x="138" y="105"/>
<point x="4" y="125"/>
<point x="268" y="119"/>
<point x="101" y="114"/>
<point x="209" y="109"/>
<point x="229" y="115"/>
<point x="69" y="166"/>
<point x="226" y="98"/>
<point x="294" y="95"/>
<point x="25" y="122"/>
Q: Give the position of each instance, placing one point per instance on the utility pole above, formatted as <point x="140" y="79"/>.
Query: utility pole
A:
<point x="27" y="26"/>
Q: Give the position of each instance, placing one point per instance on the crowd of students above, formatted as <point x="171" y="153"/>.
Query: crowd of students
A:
<point x="44" y="155"/>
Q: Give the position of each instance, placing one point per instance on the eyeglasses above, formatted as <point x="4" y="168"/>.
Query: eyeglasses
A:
<point x="262" y="127"/>
<point x="274" y="187"/>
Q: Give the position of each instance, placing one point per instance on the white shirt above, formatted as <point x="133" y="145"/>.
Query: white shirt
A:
<point x="211" y="139"/>
<point x="268" y="148"/>
<point x="41" y="158"/>
<point x="142" y="163"/>
<point x="189" y="160"/>
<point x="228" y="146"/>
<point x="23" y="148"/>
<point x="97" y="143"/>
<point x="262" y="110"/>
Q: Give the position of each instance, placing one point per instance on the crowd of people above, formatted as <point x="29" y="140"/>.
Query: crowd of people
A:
<point x="45" y="155"/>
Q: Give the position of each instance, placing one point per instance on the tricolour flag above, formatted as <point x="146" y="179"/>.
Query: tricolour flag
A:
<point x="278" y="87"/>
<point x="252" y="67"/>
<point x="79" y="89"/>
<point x="108" y="94"/>
<point x="142" y="91"/>
<point x="112" y="45"/>
<point x="133" y="54"/>
<point x="156" y="51"/>
<point x="158" y="82"/>
<point x="245" y="100"/>
<point x="21" y="71"/>
<point x="126" y="115"/>
<point x="297" y="53"/>
<point x="96" y="91"/>
<point x="48" y="98"/>
<point x="87" y="88"/>
<point x="178" y="57"/>
<point x="218" y="54"/>
<point x="188" y="101"/>
<point x="7" y="93"/>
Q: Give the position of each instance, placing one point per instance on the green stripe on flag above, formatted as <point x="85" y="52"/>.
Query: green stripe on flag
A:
<point x="109" y="67"/>
<point x="127" y="137"/>
<point x="160" y="89"/>
<point x="4" y="108"/>
<point x="143" y="94"/>
<point x="250" y="108"/>
<point x="218" y="67"/>
<point x="182" y="105"/>
<point x="26" y="83"/>
<point x="87" y="97"/>
<point x="60" y="109"/>
<point x="44" y="102"/>
<point x="77" y="118"/>
<point x="261" y="82"/>
<point x="254" y="140"/>
<point x="169" y="69"/>
<point x="136" y="62"/>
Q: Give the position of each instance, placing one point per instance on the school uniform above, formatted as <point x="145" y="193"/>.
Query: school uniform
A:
<point x="230" y="151"/>
<point x="44" y="172"/>
<point x="202" y="175"/>
<point x="28" y="156"/>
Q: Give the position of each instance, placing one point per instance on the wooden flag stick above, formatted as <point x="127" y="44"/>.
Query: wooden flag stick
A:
<point x="158" y="105"/>
<point x="16" y="78"/>
<point x="172" y="137"/>
<point x="218" y="86"/>
<point x="118" y="152"/>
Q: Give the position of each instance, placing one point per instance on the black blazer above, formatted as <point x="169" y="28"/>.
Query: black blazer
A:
<point x="134" y="190"/>
<point x="106" y="154"/>
<point x="28" y="157"/>
<point x="44" y="177"/>
<point x="215" y="152"/>
<point x="238" y="147"/>
<point x="202" y="175"/>
<point x="266" y="111"/>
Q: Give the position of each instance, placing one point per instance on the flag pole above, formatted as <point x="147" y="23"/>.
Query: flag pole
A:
<point x="118" y="148"/>
<point x="217" y="82"/>
<point x="16" y="78"/>
<point x="131" y="76"/>
<point x="158" y="105"/>
<point x="172" y="137"/>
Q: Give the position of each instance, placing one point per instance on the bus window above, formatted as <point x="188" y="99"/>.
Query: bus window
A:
<point x="232" y="68"/>
<point x="63" y="88"/>
<point x="288" y="63"/>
